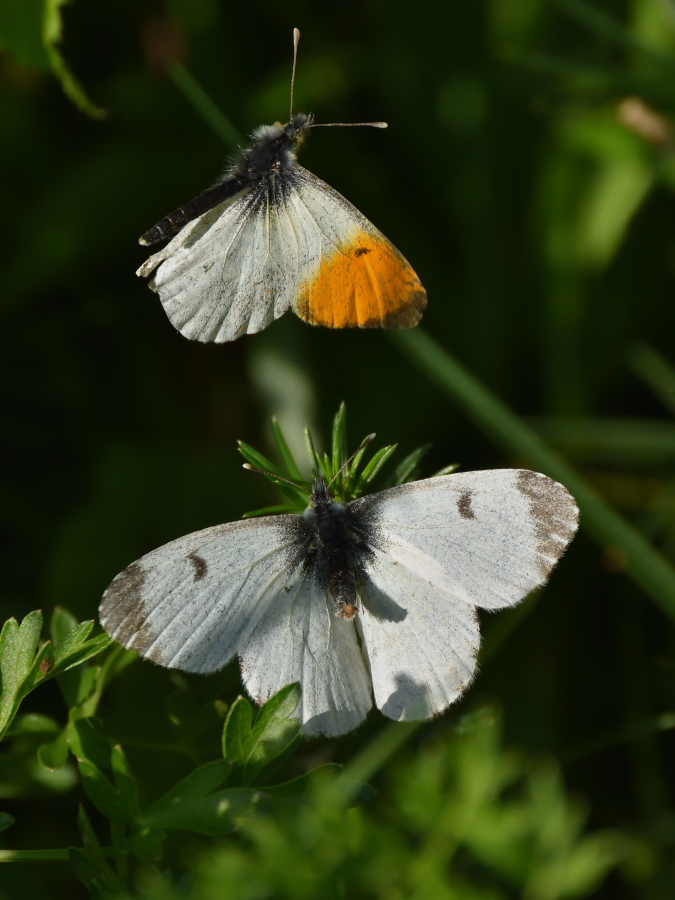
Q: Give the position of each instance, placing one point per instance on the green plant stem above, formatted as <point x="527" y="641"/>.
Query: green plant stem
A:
<point x="643" y="563"/>
<point x="42" y="855"/>
<point x="655" y="371"/>
<point x="197" y="97"/>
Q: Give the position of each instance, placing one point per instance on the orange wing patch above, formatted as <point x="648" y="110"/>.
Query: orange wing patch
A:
<point x="366" y="284"/>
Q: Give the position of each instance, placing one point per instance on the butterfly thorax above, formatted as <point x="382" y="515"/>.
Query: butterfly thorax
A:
<point x="333" y="548"/>
<point x="274" y="148"/>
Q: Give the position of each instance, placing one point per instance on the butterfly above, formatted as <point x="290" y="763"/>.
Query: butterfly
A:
<point x="270" y="236"/>
<point x="368" y="601"/>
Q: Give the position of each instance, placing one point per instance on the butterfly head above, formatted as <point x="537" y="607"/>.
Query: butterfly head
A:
<point x="321" y="496"/>
<point x="296" y="129"/>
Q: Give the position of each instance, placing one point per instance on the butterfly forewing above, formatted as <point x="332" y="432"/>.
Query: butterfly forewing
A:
<point x="190" y="604"/>
<point x="489" y="537"/>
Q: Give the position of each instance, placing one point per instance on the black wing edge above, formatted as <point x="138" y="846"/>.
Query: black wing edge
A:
<point x="173" y="223"/>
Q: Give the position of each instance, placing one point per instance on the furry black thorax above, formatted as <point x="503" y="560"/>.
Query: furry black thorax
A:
<point x="336" y="547"/>
<point x="274" y="149"/>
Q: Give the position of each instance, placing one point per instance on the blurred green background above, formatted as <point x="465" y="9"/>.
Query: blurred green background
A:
<point x="528" y="175"/>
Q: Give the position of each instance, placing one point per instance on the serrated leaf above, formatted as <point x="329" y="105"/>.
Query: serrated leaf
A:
<point x="183" y="802"/>
<point x="102" y="793"/>
<point x="18" y="644"/>
<point x="272" y="732"/>
<point x="54" y="755"/>
<point x="71" y="642"/>
<point x="81" y="654"/>
<point x="6" y="821"/>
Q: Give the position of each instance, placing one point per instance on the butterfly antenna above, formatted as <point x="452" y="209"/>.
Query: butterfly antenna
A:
<point x="296" y="40"/>
<point x="348" y="125"/>
<point x="364" y="444"/>
<point x="276" y="477"/>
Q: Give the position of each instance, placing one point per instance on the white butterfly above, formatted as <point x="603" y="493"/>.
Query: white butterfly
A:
<point x="372" y="600"/>
<point x="271" y="236"/>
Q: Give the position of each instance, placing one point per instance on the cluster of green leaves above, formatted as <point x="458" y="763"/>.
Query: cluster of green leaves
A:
<point x="214" y="799"/>
<point x="211" y="800"/>
<point x="459" y="818"/>
<point x="25" y="663"/>
<point x="339" y="470"/>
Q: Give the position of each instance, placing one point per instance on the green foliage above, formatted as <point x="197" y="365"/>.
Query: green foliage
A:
<point x="23" y="666"/>
<point x="529" y="176"/>
<point x="459" y="818"/>
<point x="339" y="470"/>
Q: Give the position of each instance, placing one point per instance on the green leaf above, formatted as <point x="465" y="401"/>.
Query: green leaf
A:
<point x="256" y="459"/>
<point x="182" y="803"/>
<point x="18" y="644"/>
<point x="102" y="793"/>
<point x="312" y="455"/>
<point x="146" y="844"/>
<point x="213" y="814"/>
<point x="254" y="745"/>
<point x="284" y="452"/>
<point x="86" y="742"/>
<point x="290" y="790"/>
<point x="82" y="653"/>
<point x="32" y="724"/>
<point x="404" y="470"/>
<point x="447" y="470"/>
<point x="71" y="642"/>
<point x="61" y="623"/>
<point x="125" y="782"/>
<point x="6" y="821"/>
<point x="237" y="730"/>
<point x="373" y="467"/>
<point x="54" y="755"/>
<point x="339" y="439"/>
<point x="281" y="509"/>
<point x="90" y="863"/>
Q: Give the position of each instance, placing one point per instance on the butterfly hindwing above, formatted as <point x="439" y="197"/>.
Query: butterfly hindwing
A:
<point x="300" y="638"/>
<point x="440" y="548"/>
